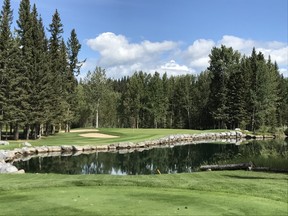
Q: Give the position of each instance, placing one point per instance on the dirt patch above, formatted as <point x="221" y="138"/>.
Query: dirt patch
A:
<point x="83" y="130"/>
<point x="97" y="135"/>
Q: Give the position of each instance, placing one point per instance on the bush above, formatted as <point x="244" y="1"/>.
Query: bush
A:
<point x="286" y="132"/>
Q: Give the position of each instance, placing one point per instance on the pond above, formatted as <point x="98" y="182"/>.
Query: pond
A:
<point x="179" y="159"/>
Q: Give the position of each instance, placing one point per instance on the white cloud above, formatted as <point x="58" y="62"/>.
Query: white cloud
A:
<point x="197" y="54"/>
<point x="237" y="43"/>
<point x="122" y="58"/>
<point x="172" y="68"/>
<point x="117" y="50"/>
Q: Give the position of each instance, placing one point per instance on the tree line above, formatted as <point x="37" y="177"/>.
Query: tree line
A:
<point x="37" y="73"/>
<point x="40" y="93"/>
<point x="235" y="91"/>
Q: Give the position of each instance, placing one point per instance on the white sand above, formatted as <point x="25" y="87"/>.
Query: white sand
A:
<point x="97" y="135"/>
<point x="83" y="130"/>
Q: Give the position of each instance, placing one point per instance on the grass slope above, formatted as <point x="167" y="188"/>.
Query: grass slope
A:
<point x="124" y="135"/>
<point x="204" y="193"/>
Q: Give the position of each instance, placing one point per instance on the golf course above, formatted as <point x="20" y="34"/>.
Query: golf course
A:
<point x="198" y="193"/>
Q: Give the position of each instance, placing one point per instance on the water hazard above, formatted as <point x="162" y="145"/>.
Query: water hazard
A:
<point x="179" y="159"/>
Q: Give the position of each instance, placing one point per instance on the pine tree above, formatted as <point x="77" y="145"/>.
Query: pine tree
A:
<point x="236" y="97"/>
<point x="95" y="88"/>
<point x="201" y="98"/>
<point x="56" y="73"/>
<point x="73" y="48"/>
<point x="222" y="61"/>
<point x="6" y="43"/>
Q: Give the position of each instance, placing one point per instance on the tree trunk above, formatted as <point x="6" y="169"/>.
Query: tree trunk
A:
<point x="53" y="129"/>
<point x="0" y="131"/>
<point x="26" y="132"/>
<point x="66" y="127"/>
<point x="40" y="131"/>
<point x="47" y="129"/>
<point x="239" y="166"/>
<point x="6" y="131"/>
<point x="16" y="132"/>
<point x="97" y="117"/>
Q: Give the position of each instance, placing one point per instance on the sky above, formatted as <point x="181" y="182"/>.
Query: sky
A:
<point x="173" y="36"/>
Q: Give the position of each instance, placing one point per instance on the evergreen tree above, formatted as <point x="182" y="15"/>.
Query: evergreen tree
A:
<point x="56" y="94"/>
<point x="6" y="43"/>
<point x="38" y="111"/>
<point x="222" y="61"/>
<point x="95" y="87"/>
<point x="73" y="48"/>
<point x="201" y="97"/>
<point x="156" y="101"/>
<point x="236" y="97"/>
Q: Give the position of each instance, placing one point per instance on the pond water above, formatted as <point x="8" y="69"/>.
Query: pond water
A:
<point x="179" y="159"/>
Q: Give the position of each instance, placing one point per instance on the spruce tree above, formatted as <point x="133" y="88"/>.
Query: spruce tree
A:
<point x="56" y="75"/>
<point x="222" y="61"/>
<point x="74" y="66"/>
<point x="39" y="91"/>
<point x="6" y="44"/>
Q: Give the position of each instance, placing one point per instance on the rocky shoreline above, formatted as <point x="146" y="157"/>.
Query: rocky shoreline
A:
<point x="7" y="157"/>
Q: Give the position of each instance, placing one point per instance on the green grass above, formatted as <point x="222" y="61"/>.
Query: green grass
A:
<point x="124" y="135"/>
<point x="204" y="193"/>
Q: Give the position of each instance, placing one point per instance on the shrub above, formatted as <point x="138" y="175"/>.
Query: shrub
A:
<point x="286" y="132"/>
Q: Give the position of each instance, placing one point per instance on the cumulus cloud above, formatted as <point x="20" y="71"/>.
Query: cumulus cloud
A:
<point x="120" y="57"/>
<point x="172" y="68"/>
<point x="197" y="54"/>
<point x="117" y="50"/>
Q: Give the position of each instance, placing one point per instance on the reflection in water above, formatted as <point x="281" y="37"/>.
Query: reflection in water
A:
<point x="180" y="159"/>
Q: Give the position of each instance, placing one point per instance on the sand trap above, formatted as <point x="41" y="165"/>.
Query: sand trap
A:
<point x="83" y="130"/>
<point x="97" y="135"/>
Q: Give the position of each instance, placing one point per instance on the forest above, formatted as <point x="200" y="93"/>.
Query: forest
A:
<point x="41" y="92"/>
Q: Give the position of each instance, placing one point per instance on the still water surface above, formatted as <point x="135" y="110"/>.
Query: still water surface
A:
<point x="179" y="159"/>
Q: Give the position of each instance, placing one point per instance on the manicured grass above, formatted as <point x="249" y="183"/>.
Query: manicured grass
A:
<point x="204" y="193"/>
<point x="124" y="135"/>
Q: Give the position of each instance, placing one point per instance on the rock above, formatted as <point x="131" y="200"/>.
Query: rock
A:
<point x="22" y="171"/>
<point x="77" y="148"/>
<point x="54" y="148"/>
<point x="66" y="148"/>
<point x="26" y="144"/>
<point x="41" y="149"/>
<point x="26" y="150"/>
<point x="7" y="168"/>
<point x="87" y="148"/>
<point x="4" y="142"/>
<point x="7" y="155"/>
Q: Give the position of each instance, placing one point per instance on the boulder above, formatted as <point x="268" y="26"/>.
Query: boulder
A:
<point x="7" y="168"/>
<point x="77" y="148"/>
<point x="26" y="144"/>
<point x="7" y="155"/>
<point x="41" y="149"/>
<point x="66" y="148"/>
<point x="54" y="148"/>
<point x="4" y="142"/>
<point x="87" y="148"/>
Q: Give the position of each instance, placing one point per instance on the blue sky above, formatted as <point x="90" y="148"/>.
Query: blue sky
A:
<point x="173" y="36"/>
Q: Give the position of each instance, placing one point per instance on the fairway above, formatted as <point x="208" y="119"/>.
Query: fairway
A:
<point x="206" y="193"/>
<point x="114" y="135"/>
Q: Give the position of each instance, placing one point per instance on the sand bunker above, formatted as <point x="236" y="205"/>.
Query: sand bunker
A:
<point x="83" y="130"/>
<point x="97" y="135"/>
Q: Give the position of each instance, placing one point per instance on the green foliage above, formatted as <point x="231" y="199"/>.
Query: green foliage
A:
<point x="37" y="89"/>
<point x="286" y="132"/>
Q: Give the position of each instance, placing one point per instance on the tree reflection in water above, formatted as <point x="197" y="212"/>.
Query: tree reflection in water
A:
<point x="180" y="159"/>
